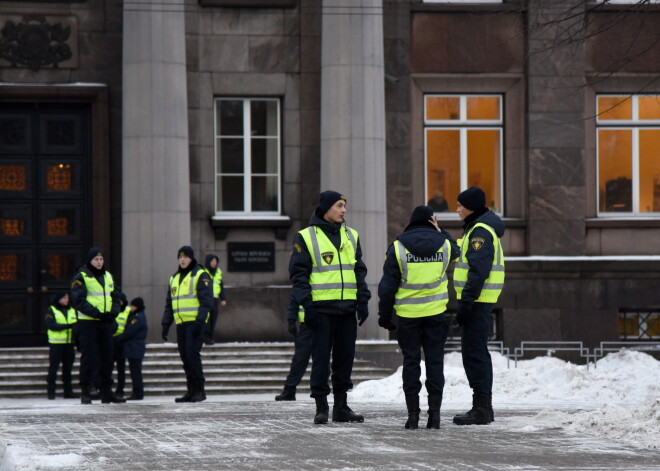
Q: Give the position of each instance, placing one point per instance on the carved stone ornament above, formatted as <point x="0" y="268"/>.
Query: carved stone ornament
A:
<point x="35" y="43"/>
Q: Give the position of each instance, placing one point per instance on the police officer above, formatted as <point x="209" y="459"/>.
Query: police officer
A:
<point x="478" y="280"/>
<point x="328" y="278"/>
<point x="302" y="351"/>
<point x="414" y="286"/>
<point x="94" y="297"/>
<point x="119" y="359"/>
<point x="189" y="302"/>
<point x="211" y="265"/>
<point x="60" y="321"/>
<point x="133" y="343"/>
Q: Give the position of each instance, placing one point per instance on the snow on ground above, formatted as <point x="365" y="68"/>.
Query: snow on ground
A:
<point x="618" y="400"/>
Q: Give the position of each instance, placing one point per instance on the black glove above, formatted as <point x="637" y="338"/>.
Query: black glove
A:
<point x="198" y="328"/>
<point x="166" y="330"/>
<point x="463" y="312"/>
<point x="312" y="319"/>
<point x="293" y="330"/>
<point x="362" y="313"/>
<point x="386" y="323"/>
<point x="106" y="317"/>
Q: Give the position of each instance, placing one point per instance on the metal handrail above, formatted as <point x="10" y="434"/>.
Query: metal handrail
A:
<point x="550" y="347"/>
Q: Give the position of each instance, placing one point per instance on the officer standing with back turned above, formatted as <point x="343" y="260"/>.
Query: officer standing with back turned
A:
<point x="328" y="278"/>
<point x="478" y="280"/>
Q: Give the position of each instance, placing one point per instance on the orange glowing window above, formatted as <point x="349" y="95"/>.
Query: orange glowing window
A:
<point x="649" y="107"/>
<point x="615" y="170"/>
<point x="614" y="108"/>
<point x="483" y="107"/>
<point x="58" y="177"/>
<point x="13" y="178"/>
<point x="9" y="267"/>
<point x="12" y="227"/>
<point x="58" y="226"/>
<point x="483" y="165"/>
<point x="443" y="107"/>
<point x="443" y="163"/>
<point x="58" y="266"/>
<point x="649" y="170"/>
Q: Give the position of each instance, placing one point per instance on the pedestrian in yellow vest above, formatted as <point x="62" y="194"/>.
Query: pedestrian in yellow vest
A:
<point x="60" y="322"/>
<point x="478" y="280"/>
<point x="94" y="296"/>
<point x="328" y="277"/>
<point x="119" y="359"/>
<point x="211" y="265"/>
<point x="188" y="304"/>
<point x="414" y="287"/>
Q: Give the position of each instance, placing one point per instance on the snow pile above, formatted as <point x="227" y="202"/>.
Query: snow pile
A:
<point x="15" y="458"/>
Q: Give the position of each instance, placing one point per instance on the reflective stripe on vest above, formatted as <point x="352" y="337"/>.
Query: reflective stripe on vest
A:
<point x="185" y="304"/>
<point x="62" y="337"/>
<point x="333" y="271"/>
<point x="217" y="283"/>
<point x="423" y="288"/>
<point x="495" y="282"/>
<point x="121" y="319"/>
<point x="99" y="296"/>
<point x="301" y="314"/>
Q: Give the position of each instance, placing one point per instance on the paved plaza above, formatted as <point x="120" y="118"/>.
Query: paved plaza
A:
<point x="257" y="433"/>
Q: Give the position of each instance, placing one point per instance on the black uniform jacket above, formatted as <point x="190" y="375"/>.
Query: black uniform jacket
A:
<point x="480" y="260"/>
<point x="204" y="295"/>
<point x="300" y="268"/>
<point x="134" y="336"/>
<point x="79" y="293"/>
<point x="423" y="241"/>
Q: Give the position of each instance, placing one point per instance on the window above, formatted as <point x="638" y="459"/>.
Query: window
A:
<point x="463" y="148"/>
<point x="628" y="160"/>
<point x="639" y="324"/>
<point x="247" y="156"/>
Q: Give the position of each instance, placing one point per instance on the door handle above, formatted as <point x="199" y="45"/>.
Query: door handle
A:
<point x="30" y="289"/>
<point x="44" y="289"/>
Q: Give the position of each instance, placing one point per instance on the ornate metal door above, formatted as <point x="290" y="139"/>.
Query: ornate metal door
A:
<point x="44" y="211"/>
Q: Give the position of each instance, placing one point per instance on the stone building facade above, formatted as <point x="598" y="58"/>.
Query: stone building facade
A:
<point x="140" y="126"/>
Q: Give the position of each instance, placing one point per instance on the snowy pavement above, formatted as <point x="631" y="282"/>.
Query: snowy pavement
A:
<point x="550" y="415"/>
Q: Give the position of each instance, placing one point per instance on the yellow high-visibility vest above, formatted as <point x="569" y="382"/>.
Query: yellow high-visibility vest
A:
<point x="423" y="287"/>
<point x="217" y="282"/>
<point x="121" y="319"/>
<point x="333" y="271"/>
<point x="301" y="314"/>
<point x="62" y="336"/>
<point x="99" y="296"/>
<point x="495" y="281"/>
<point x="185" y="304"/>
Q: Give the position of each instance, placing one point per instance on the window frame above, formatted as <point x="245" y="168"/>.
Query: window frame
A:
<point x="633" y="125"/>
<point x="247" y="160"/>
<point x="463" y="125"/>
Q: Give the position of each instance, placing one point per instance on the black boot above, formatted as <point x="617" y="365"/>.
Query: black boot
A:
<point x="51" y="391"/>
<point x="286" y="395"/>
<point x="412" y="403"/>
<point x="342" y="413"/>
<point x="199" y="394"/>
<point x="69" y="394"/>
<point x="108" y="397"/>
<point x="322" y="409"/>
<point x="480" y="412"/>
<point x="189" y="392"/>
<point x="435" y="401"/>
<point x="94" y="393"/>
<point x="85" y="394"/>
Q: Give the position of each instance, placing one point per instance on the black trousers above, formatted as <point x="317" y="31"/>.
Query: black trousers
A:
<point x="334" y="334"/>
<point x="429" y="334"/>
<point x="96" y="352"/>
<point x="190" y="347"/>
<point x="135" y="367"/>
<point x="300" y="360"/>
<point x="209" y="332"/>
<point x="120" y="361"/>
<point x="64" y="354"/>
<point x="474" y="348"/>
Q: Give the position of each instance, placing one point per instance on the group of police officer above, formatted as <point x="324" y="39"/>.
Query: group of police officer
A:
<point x="329" y="286"/>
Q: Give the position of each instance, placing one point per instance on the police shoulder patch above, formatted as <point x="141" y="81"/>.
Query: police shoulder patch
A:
<point x="76" y="282"/>
<point x="297" y="247"/>
<point x="477" y="242"/>
<point x="134" y="321"/>
<point x="327" y="257"/>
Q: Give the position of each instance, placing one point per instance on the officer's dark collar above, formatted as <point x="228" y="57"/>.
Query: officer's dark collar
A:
<point x="476" y="214"/>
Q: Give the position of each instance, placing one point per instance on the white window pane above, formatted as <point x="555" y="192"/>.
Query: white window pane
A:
<point x="264" y="193"/>
<point x="230" y="194"/>
<point x="264" y="155"/>
<point x="230" y="156"/>
<point x="263" y="117"/>
<point x="230" y="118"/>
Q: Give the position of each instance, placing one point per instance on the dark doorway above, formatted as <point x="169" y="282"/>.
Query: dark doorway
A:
<point x="45" y="223"/>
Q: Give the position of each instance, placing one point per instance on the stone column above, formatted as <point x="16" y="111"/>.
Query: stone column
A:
<point x="556" y="87"/>
<point x="353" y="128"/>
<point x="155" y="179"/>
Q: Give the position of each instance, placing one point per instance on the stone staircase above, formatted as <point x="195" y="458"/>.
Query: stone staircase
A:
<point x="229" y="368"/>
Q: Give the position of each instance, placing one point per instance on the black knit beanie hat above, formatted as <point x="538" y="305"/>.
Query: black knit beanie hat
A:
<point x="186" y="250"/>
<point x="138" y="303"/>
<point x="93" y="252"/>
<point x="473" y="198"/>
<point x="327" y="199"/>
